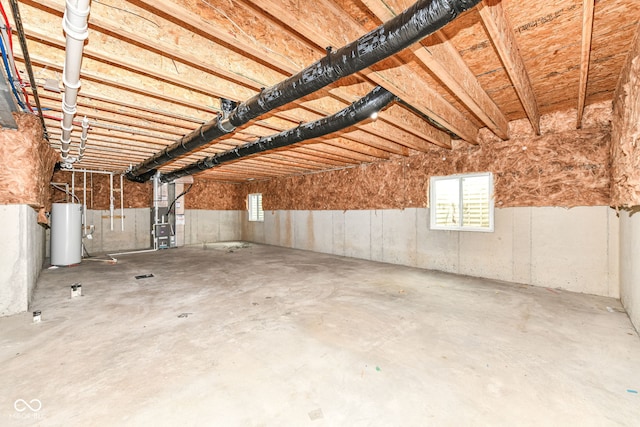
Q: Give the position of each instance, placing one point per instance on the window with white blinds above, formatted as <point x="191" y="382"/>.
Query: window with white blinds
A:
<point x="461" y="202"/>
<point x="255" y="207"/>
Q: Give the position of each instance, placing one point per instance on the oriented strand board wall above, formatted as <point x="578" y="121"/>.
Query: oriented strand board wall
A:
<point x="563" y="167"/>
<point x="625" y="152"/>
<point x="27" y="164"/>
<point x="211" y="195"/>
<point x="136" y="195"/>
<point x="205" y="194"/>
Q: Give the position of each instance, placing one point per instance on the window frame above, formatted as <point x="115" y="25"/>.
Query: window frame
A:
<point x="460" y="226"/>
<point x="253" y="199"/>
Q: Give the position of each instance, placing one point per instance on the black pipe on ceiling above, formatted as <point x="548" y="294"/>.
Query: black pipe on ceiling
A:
<point x="371" y="103"/>
<point x="412" y="25"/>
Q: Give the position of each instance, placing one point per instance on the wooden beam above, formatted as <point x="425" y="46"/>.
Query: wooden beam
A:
<point x="185" y="18"/>
<point x="445" y="62"/>
<point x="154" y="111"/>
<point x="170" y="134"/>
<point x="375" y="140"/>
<point x="588" y="7"/>
<point x="157" y="118"/>
<point x="503" y="38"/>
<point x="423" y="98"/>
<point x="135" y="67"/>
<point x="113" y="83"/>
<point x="54" y="129"/>
<point x="107" y="26"/>
<point x="94" y="124"/>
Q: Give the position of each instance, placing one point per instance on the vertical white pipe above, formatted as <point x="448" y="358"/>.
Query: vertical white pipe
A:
<point x="84" y="199"/>
<point x="111" y="198"/>
<point x="156" y="195"/>
<point x="83" y="137"/>
<point x="73" y="184"/>
<point x="76" y="29"/>
<point x="121" y="204"/>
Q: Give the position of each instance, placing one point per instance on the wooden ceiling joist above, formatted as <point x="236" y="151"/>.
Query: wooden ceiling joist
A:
<point x="155" y="70"/>
<point x="85" y="75"/>
<point x="585" y="55"/>
<point x="184" y="17"/>
<point x="446" y="64"/>
<point x="427" y="133"/>
<point x="501" y="34"/>
<point x="156" y="118"/>
<point x="129" y="126"/>
<point x="419" y="95"/>
<point x="155" y="113"/>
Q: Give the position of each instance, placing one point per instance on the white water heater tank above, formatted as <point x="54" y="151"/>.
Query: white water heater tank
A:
<point x="66" y="233"/>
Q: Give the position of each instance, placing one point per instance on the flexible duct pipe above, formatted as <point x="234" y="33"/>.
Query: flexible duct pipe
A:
<point x="365" y="107"/>
<point x="76" y="29"/>
<point x="415" y="23"/>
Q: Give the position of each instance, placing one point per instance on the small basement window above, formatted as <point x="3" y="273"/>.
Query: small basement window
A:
<point x="255" y="207"/>
<point x="461" y="202"/>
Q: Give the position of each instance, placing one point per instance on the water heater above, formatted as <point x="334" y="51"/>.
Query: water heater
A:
<point x="66" y="233"/>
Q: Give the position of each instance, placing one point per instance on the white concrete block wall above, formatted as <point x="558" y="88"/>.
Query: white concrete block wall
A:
<point x="630" y="265"/>
<point x="204" y="226"/>
<point x="136" y="233"/>
<point x="573" y="249"/>
<point x="22" y="257"/>
<point x="201" y="226"/>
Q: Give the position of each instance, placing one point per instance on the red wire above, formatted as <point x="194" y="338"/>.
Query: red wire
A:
<point x="6" y="21"/>
<point x="22" y="85"/>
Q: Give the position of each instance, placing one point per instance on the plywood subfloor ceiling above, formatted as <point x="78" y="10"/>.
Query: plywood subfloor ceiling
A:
<point x="154" y="70"/>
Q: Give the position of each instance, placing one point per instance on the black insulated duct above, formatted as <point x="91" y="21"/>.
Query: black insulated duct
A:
<point x="412" y="25"/>
<point x="373" y="102"/>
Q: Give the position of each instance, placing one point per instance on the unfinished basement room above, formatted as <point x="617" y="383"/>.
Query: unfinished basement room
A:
<point x="320" y="213"/>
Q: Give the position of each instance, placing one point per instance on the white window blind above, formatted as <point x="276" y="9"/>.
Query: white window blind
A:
<point x="462" y="202"/>
<point x="255" y="207"/>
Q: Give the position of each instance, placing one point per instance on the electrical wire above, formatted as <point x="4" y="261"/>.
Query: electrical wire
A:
<point x="10" y="76"/>
<point x="176" y="199"/>
<point x="9" y="58"/>
<point x="6" y="22"/>
<point x="65" y="191"/>
<point x="27" y="62"/>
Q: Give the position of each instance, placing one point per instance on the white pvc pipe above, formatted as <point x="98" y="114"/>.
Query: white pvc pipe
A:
<point x="121" y="203"/>
<point x="83" y="137"/>
<point x="84" y="200"/>
<point x="76" y="29"/>
<point x="156" y="202"/>
<point x="133" y="252"/>
<point x="111" y="199"/>
<point x="93" y="171"/>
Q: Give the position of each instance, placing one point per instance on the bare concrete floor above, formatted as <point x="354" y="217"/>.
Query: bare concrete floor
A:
<point x="266" y="336"/>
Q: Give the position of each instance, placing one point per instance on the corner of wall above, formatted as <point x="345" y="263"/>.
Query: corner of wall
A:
<point x="22" y="259"/>
<point x="629" y="267"/>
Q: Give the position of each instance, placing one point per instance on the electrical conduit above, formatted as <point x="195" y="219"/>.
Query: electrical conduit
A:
<point x="412" y="25"/>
